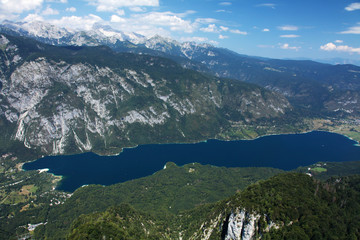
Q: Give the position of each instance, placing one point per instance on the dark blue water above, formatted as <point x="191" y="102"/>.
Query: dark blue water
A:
<point x="279" y="151"/>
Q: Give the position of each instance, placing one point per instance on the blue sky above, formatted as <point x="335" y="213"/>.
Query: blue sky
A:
<point x="315" y="29"/>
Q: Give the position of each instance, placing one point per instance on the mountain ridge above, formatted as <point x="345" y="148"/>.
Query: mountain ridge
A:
<point x="320" y="88"/>
<point x="92" y="98"/>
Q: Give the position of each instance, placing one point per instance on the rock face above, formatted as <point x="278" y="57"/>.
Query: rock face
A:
<point x="62" y="100"/>
<point x="242" y="225"/>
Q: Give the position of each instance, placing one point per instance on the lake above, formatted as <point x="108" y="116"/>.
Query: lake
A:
<point x="278" y="151"/>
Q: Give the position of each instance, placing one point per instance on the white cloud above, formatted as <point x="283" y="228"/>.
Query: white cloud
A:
<point x="120" y="12"/>
<point x="352" y="30"/>
<point x="328" y="47"/>
<point x="290" y="36"/>
<point x="8" y="16"/>
<point x="353" y="7"/>
<point x="50" y="11"/>
<point x="223" y="37"/>
<point x="286" y="46"/>
<point x="223" y="11"/>
<point x="339" y="41"/>
<point x="165" y="19"/>
<point x="236" y="31"/>
<point x="33" y="17"/>
<point x="57" y="1"/>
<point x="340" y="48"/>
<point x="288" y="28"/>
<point x="211" y="28"/>
<point x="137" y="9"/>
<point x="71" y="9"/>
<point x="225" y="3"/>
<point x="225" y="29"/>
<point x="19" y="6"/>
<point x="186" y="13"/>
<point x="149" y="24"/>
<point x="266" y="30"/>
<point x="113" y="5"/>
<point x="194" y="39"/>
<point x="78" y="23"/>
<point x="106" y="8"/>
<point x="206" y="20"/>
<point x="270" y="5"/>
<point x="117" y="19"/>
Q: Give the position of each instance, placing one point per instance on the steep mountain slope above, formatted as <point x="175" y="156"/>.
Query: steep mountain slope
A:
<point x="287" y="206"/>
<point x="70" y="99"/>
<point x="319" y="88"/>
<point x="121" y="222"/>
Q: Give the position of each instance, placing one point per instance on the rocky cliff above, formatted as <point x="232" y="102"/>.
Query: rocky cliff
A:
<point x="61" y="99"/>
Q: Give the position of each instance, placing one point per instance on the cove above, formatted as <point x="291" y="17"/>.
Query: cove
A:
<point x="278" y="151"/>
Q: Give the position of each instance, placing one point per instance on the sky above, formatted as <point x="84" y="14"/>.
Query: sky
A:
<point x="311" y="29"/>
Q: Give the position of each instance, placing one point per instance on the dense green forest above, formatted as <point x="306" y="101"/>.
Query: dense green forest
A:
<point x="163" y="194"/>
<point x="299" y="206"/>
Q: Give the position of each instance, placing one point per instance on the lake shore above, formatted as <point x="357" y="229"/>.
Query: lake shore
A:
<point x="276" y="149"/>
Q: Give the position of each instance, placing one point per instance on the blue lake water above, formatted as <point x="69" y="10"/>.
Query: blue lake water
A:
<point x="279" y="151"/>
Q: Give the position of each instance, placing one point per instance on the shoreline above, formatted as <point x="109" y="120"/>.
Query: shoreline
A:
<point x="58" y="178"/>
<point x="357" y="143"/>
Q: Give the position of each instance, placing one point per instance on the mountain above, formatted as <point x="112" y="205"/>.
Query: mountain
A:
<point x="322" y="89"/>
<point x="163" y="195"/>
<point x="339" y="61"/>
<point x="51" y="34"/>
<point x="72" y="99"/>
<point x="287" y="206"/>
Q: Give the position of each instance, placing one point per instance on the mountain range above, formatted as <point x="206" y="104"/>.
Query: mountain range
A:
<point x="322" y="88"/>
<point x="69" y="99"/>
<point x="66" y="91"/>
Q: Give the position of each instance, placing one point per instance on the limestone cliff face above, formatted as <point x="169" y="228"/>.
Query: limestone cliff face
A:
<point x="242" y="225"/>
<point x="60" y="105"/>
<point x="239" y="224"/>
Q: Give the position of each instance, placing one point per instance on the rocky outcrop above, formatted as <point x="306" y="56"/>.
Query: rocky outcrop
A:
<point x="242" y="225"/>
